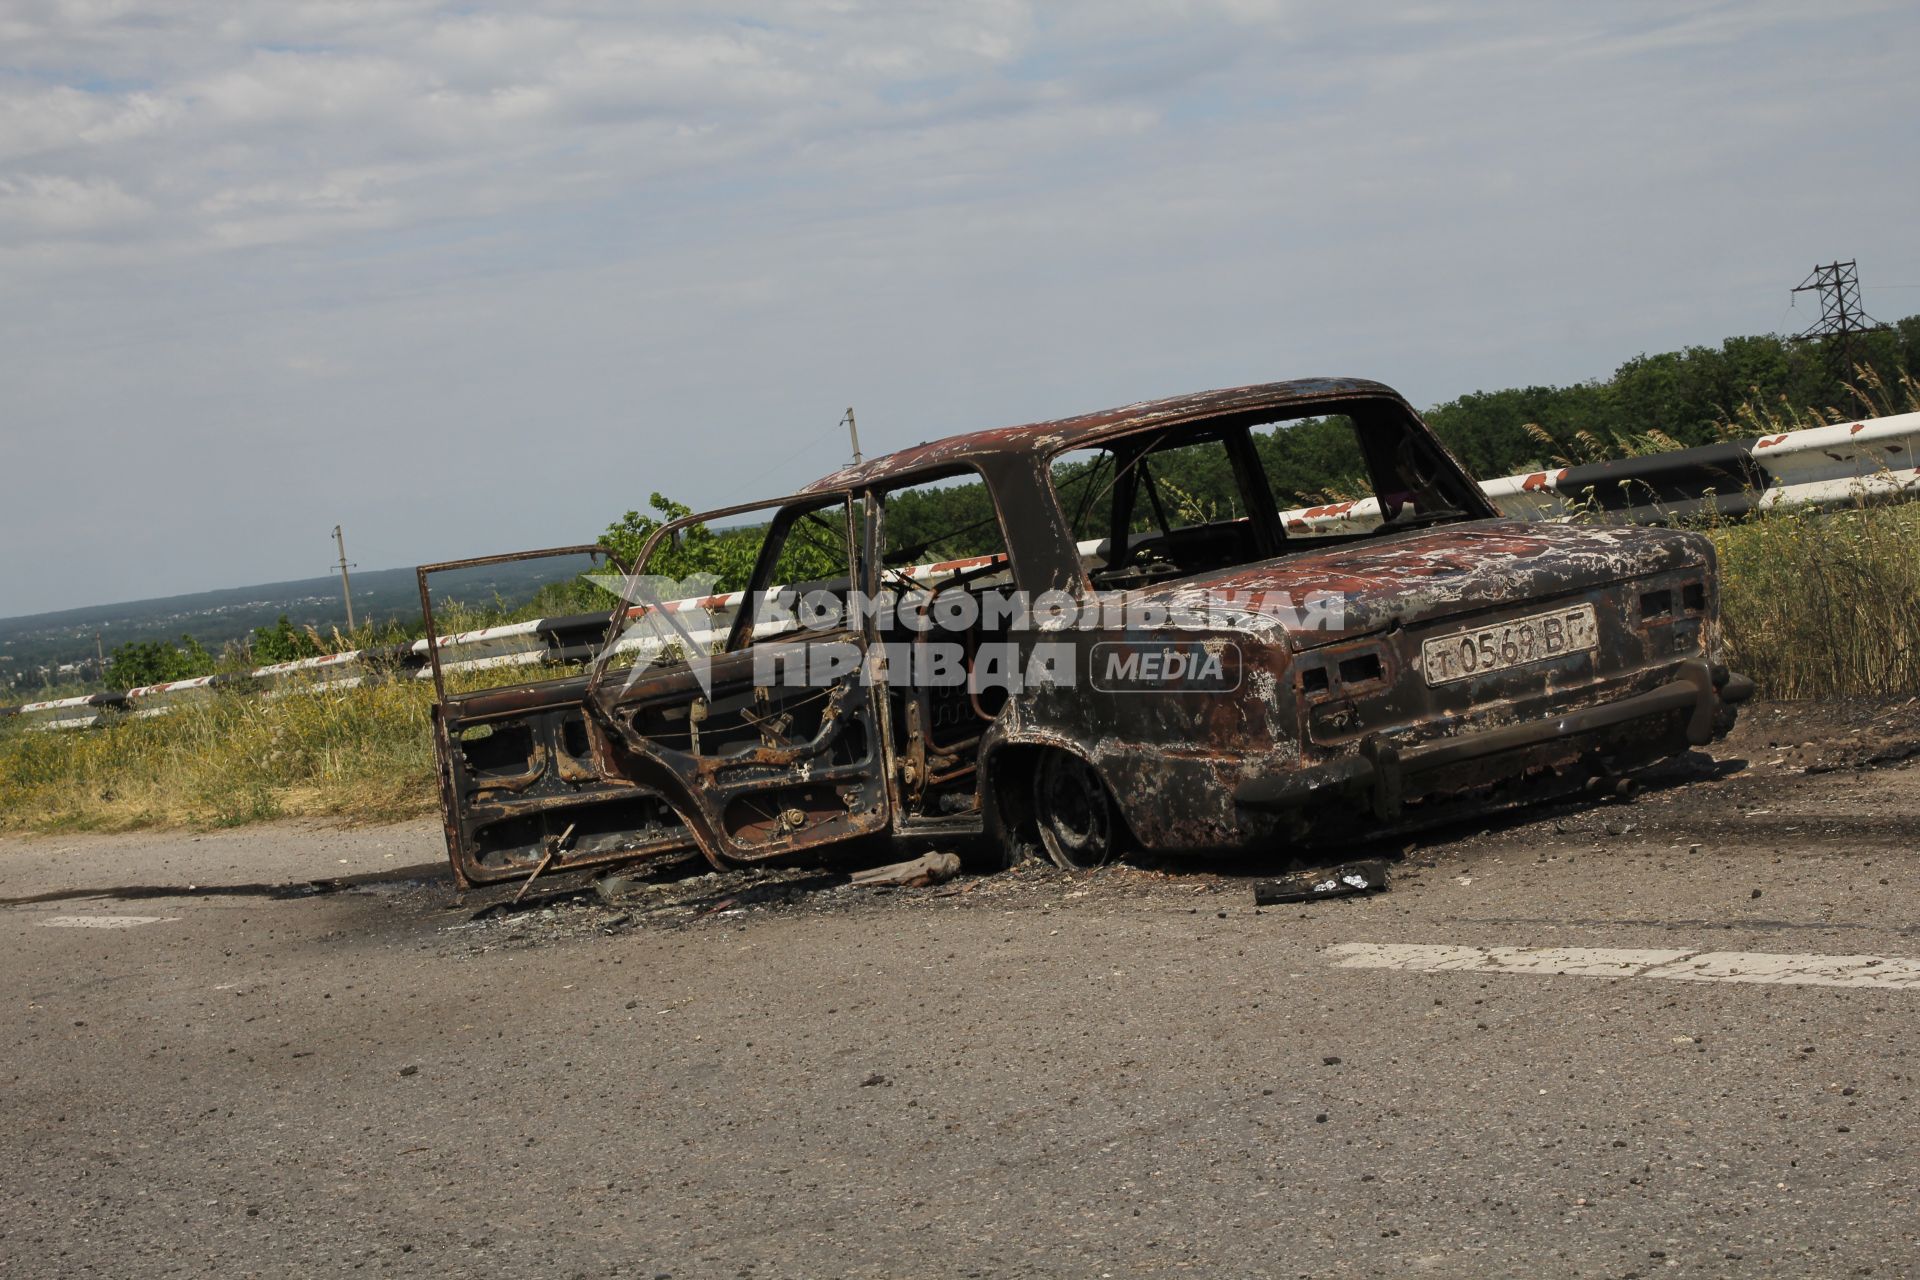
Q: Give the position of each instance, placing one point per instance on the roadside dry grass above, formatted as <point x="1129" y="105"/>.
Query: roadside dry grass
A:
<point x="1823" y="606"/>
<point x="361" y="754"/>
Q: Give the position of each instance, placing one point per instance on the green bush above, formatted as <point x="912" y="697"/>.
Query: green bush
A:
<point x="284" y="642"/>
<point x="145" y="662"/>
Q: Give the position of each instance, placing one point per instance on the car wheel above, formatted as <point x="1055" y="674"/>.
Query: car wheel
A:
<point x="1073" y="812"/>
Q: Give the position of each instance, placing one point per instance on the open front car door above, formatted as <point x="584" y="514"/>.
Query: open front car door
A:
<point x="753" y="712"/>
<point x="519" y="789"/>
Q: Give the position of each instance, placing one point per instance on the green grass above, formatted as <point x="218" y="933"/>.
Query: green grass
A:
<point x="1823" y="606"/>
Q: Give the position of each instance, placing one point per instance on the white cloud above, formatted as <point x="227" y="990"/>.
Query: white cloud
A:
<point x="202" y="114"/>
<point x="59" y="207"/>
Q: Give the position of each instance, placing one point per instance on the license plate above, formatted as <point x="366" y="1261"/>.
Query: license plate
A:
<point x="1482" y="650"/>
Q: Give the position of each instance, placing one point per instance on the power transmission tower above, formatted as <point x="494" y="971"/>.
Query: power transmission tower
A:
<point x="346" y="587"/>
<point x="1838" y="284"/>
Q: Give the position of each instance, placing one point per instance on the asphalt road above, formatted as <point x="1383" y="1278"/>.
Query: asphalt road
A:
<point x="1133" y="1074"/>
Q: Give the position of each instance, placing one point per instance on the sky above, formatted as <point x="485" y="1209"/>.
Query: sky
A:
<point x="474" y="278"/>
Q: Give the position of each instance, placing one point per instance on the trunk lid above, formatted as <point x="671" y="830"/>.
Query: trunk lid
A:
<point x="1432" y="574"/>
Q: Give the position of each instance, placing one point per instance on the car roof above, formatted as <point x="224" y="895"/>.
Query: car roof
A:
<point x="1050" y="437"/>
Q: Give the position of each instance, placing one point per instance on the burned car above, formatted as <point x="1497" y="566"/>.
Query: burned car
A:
<point x="1245" y="620"/>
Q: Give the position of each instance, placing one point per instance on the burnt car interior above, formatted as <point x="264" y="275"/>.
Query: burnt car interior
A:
<point x="949" y="521"/>
<point x="770" y="766"/>
<point x="1175" y="502"/>
<point x="801" y="579"/>
<point x="794" y="762"/>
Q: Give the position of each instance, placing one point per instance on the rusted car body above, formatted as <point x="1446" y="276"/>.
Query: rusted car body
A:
<point x="1460" y="661"/>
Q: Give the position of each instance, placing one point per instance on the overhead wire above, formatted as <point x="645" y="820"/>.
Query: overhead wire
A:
<point x="810" y="442"/>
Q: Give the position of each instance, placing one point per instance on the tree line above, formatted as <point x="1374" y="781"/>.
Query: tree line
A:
<point x="1651" y="403"/>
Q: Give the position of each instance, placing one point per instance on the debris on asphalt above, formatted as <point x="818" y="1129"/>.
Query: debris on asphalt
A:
<point x="1366" y="876"/>
<point x="689" y="894"/>
<point x="915" y="873"/>
<point x="554" y="846"/>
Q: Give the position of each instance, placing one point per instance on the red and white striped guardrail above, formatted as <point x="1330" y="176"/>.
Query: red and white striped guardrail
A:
<point x="528" y="641"/>
<point x="1871" y="460"/>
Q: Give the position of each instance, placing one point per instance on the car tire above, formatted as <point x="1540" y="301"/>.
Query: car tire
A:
<point x="1074" y="814"/>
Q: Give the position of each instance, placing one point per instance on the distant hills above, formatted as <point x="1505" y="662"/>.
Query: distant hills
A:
<point x="37" y="647"/>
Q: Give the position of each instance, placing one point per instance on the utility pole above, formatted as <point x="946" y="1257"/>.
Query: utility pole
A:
<point x="346" y="587"/>
<point x="1838" y="284"/>
<point x="853" y="430"/>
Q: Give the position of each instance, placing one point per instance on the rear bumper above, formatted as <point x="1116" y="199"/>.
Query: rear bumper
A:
<point x="1700" y="690"/>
